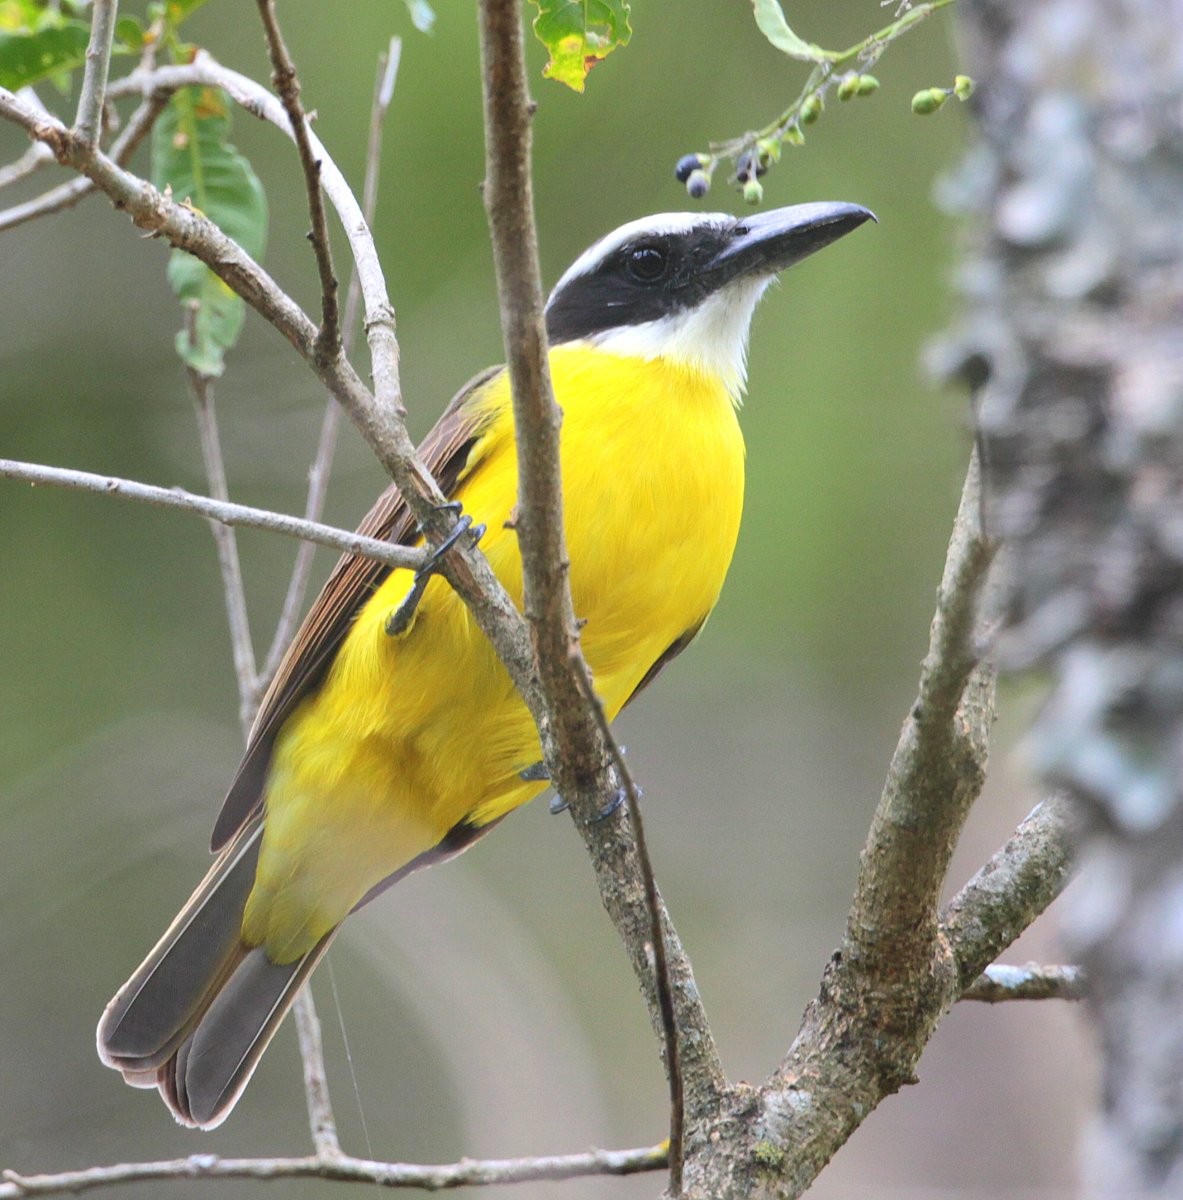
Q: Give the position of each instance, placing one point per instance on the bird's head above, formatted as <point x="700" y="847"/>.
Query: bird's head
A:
<point x="683" y="286"/>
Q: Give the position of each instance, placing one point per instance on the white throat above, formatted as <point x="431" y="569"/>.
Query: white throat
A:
<point x="712" y="337"/>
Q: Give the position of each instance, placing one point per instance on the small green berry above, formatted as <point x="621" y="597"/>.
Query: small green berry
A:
<point x="769" y="150"/>
<point x="867" y="84"/>
<point x="963" y="87"/>
<point x="687" y="164"/>
<point x="698" y="183"/>
<point x="794" y="136"/>
<point x="928" y="101"/>
<point x="811" y="108"/>
<point x="753" y="191"/>
<point x="848" y="88"/>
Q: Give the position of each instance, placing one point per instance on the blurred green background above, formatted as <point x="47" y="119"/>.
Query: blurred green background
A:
<point x="487" y="1006"/>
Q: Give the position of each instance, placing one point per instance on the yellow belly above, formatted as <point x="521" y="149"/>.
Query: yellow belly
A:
<point x="410" y="735"/>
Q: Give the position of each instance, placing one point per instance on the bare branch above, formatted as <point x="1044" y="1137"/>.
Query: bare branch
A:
<point x="936" y="771"/>
<point x="895" y="976"/>
<point x="88" y="124"/>
<point x="344" y="1169"/>
<point x="575" y="748"/>
<point x="316" y="1084"/>
<point x="213" y="510"/>
<point x="38" y="155"/>
<point x="318" y="475"/>
<point x="1011" y="890"/>
<point x="1034" y="981"/>
<point x="242" y="646"/>
<point x="287" y="84"/>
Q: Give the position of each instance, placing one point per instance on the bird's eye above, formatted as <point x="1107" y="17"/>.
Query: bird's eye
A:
<point x="647" y="264"/>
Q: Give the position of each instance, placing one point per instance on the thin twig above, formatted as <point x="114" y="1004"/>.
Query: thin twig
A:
<point x="241" y="643"/>
<point x="214" y="510"/>
<point x="661" y="969"/>
<point x="318" y="475"/>
<point x="316" y="1085"/>
<point x="38" y="155"/>
<point x="1035" y="981"/>
<point x="287" y="84"/>
<point x="88" y="124"/>
<point x="344" y="1169"/>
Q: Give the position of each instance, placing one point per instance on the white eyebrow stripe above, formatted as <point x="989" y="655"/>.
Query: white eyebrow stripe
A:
<point x="657" y="226"/>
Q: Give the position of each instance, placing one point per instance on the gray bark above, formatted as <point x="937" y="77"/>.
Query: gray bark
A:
<point x="1073" y="343"/>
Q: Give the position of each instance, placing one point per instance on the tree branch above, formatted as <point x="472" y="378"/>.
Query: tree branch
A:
<point x="575" y="747"/>
<point x="318" y="475"/>
<point x="241" y="644"/>
<point x="894" y="977"/>
<point x="213" y="510"/>
<point x="287" y="84"/>
<point x="343" y="1169"/>
<point x="67" y="194"/>
<point x="1032" y="982"/>
<point x="88" y="124"/>
<point x="1011" y="890"/>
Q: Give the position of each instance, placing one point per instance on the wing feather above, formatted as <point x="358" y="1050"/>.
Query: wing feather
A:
<point x="447" y="451"/>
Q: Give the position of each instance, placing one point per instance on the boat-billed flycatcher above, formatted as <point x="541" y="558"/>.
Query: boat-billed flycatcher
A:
<point x="383" y="746"/>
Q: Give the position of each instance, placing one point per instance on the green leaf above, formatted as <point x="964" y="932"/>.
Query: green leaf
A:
<point x="30" y="55"/>
<point x="770" y="19"/>
<point x="422" y="15"/>
<point x="192" y="156"/>
<point x="175" y="11"/>
<point x="578" y="34"/>
<point x="131" y="33"/>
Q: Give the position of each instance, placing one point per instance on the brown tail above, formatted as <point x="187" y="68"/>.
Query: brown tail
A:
<point x="197" y="1014"/>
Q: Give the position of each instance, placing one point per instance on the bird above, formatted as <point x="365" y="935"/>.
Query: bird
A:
<point x="391" y="737"/>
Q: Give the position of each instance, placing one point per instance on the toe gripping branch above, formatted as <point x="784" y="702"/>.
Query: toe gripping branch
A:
<point x="401" y="618"/>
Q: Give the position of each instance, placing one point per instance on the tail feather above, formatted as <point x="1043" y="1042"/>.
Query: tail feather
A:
<point x="197" y="1014"/>
<point x="202" y="1081"/>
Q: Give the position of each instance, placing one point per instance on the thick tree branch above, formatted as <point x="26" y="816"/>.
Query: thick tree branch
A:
<point x="935" y="774"/>
<point x="213" y="510"/>
<point x="895" y="976"/>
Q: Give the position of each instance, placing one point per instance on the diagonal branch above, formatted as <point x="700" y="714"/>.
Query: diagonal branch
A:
<point x="1011" y="890"/>
<point x="287" y="84"/>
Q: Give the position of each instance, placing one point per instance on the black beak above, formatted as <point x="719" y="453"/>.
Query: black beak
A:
<point x="766" y="243"/>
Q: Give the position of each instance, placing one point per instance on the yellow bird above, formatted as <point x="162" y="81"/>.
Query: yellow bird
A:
<point x="392" y="739"/>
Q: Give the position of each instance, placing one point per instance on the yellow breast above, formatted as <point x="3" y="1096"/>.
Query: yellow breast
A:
<point x="410" y="736"/>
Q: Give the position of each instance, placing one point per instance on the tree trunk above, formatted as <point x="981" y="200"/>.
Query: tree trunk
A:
<point x="1072" y="340"/>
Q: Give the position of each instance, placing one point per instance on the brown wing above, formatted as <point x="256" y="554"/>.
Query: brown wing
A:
<point x="446" y="451"/>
